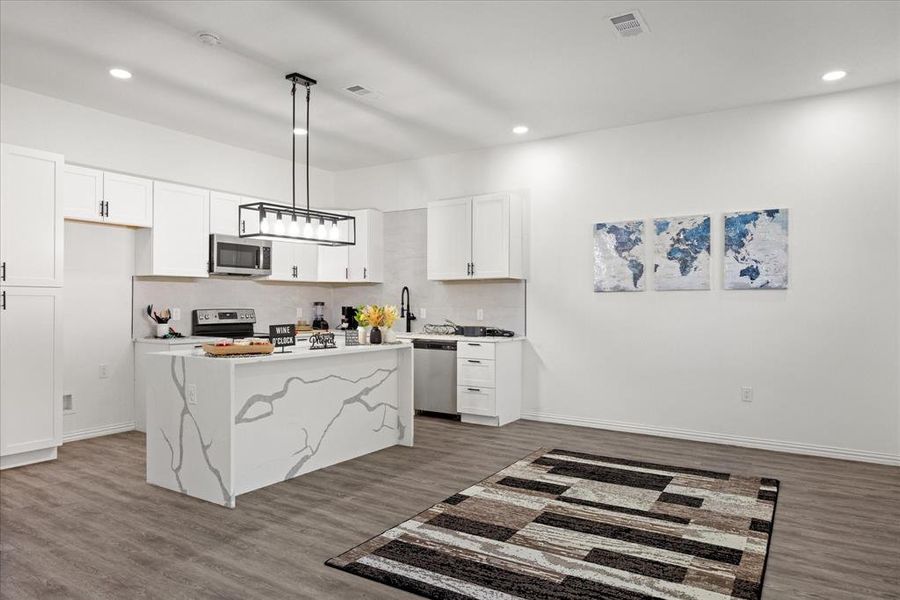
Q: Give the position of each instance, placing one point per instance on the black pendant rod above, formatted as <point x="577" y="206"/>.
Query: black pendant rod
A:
<point x="296" y="78"/>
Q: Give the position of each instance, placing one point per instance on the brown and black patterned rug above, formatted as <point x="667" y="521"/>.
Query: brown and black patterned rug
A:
<point x="561" y="525"/>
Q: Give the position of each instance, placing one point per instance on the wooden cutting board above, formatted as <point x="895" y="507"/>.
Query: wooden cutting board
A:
<point x="238" y="350"/>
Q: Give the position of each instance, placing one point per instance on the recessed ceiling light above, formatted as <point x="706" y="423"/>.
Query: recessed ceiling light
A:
<point x="834" y="75"/>
<point x="300" y="131"/>
<point x="520" y="129"/>
<point x="120" y="73"/>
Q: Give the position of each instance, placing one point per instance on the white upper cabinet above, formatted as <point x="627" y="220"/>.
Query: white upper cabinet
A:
<point x="178" y="243"/>
<point x="31" y="358"/>
<point x="366" y="258"/>
<point x="294" y="261"/>
<point x="364" y="261"/>
<point x="449" y="242"/>
<point x="223" y="213"/>
<point x="105" y="197"/>
<point x="480" y="237"/>
<point x="31" y="217"/>
<point x="129" y="200"/>
<point x="83" y="194"/>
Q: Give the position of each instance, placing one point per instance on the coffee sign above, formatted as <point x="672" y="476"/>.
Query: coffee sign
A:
<point x="283" y="335"/>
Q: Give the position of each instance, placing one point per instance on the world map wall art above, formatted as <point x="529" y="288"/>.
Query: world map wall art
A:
<point x="619" y="256"/>
<point x="756" y="249"/>
<point x="681" y="249"/>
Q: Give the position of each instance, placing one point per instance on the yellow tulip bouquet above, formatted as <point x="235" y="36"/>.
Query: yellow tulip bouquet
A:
<point x="372" y="315"/>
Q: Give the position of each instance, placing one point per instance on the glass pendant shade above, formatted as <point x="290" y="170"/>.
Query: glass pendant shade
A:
<point x="294" y="228"/>
<point x="279" y="226"/>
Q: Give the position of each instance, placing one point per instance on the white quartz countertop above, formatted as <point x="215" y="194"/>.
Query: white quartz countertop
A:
<point x="290" y="353"/>
<point x="459" y="338"/>
<point x="190" y="340"/>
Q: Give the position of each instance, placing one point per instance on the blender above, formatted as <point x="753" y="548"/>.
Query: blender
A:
<point x="319" y="321"/>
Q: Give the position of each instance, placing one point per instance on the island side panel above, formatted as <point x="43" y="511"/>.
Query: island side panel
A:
<point x="406" y="410"/>
<point x="188" y="442"/>
<point x="295" y="416"/>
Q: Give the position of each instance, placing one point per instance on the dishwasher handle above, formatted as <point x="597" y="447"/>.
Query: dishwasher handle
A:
<point x="434" y="345"/>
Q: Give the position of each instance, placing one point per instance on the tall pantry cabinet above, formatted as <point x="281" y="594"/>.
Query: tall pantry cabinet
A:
<point x="31" y="279"/>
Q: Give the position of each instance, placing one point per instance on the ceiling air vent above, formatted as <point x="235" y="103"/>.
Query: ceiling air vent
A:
<point x="629" y="24"/>
<point x="358" y="90"/>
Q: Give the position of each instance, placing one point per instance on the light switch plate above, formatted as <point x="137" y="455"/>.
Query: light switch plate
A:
<point x="191" y="393"/>
<point x="747" y="394"/>
<point x="479" y="314"/>
<point x="299" y="313"/>
<point x="176" y="314"/>
<point x="422" y="313"/>
<point x="104" y="371"/>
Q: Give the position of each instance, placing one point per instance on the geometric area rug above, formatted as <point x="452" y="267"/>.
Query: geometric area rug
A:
<point x="562" y="525"/>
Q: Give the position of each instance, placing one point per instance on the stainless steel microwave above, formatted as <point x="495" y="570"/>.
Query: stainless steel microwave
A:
<point x="232" y="255"/>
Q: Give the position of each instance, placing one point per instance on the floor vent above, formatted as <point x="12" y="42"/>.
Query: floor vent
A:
<point x="629" y="24"/>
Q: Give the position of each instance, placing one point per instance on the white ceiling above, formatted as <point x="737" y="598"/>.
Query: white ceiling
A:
<point x="451" y="76"/>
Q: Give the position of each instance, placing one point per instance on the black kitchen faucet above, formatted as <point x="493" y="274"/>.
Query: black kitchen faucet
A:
<point x="405" y="310"/>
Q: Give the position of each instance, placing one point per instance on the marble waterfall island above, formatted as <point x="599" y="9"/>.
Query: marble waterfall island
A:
<point x="221" y="427"/>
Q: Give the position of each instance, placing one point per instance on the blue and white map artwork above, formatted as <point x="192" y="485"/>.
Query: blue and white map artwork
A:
<point x="756" y="249"/>
<point x="682" y="253"/>
<point x="619" y="257"/>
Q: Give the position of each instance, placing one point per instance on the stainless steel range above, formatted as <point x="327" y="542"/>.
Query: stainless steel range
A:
<point x="223" y="322"/>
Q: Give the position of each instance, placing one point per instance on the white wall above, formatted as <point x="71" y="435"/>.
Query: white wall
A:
<point x="91" y="137"/>
<point x="822" y="356"/>
<point x="99" y="263"/>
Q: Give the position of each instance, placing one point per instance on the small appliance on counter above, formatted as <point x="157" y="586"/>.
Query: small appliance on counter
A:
<point x="319" y="321"/>
<point x="451" y="328"/>
<point x="348" y="318"/>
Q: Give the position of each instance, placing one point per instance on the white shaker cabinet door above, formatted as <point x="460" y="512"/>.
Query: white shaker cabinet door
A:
<point x="334" y="261"/>
<point x="83" y="194"/>
<point x="178" y="243"/>
<point x="490" y="236"/>
<point x="31" y="382"/>
<point x="129" y="200"/>
<point x="31" y="217"/>
<point x="306" y="256"/>
<point x="223" y="213"/>
<point x="283" y="262"/>
<point x="449" y="239"/>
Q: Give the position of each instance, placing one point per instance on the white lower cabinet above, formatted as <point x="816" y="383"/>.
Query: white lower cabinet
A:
<point x="489" y="381"/>
<point x="31" y="381"/>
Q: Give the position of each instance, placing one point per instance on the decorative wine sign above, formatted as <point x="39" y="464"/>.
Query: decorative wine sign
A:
<point x="283" y="336"/>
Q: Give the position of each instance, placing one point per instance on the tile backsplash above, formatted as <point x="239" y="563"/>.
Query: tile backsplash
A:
<point x="503" y="302"/>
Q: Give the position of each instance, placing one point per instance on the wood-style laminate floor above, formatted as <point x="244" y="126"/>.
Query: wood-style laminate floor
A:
<point x="88" y="526"/>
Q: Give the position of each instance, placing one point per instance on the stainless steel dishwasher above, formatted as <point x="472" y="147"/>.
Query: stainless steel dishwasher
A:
<point x="435" y="377"/>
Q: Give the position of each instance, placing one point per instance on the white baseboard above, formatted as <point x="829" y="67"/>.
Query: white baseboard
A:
<point x="719" y="438"/>
<point x="83" y="434"/>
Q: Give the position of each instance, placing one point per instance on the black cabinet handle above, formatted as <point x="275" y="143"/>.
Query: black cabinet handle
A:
<point x="474" y="389"/>
<point x="101" y="207"/>
<point x="4" y="300"/>
<point x="471" y="344"/>
<point x="365" y="272"/>
<point x="346" y="272"/>
<point x="3" y="271"/>
<point x="243" y="226"/>
<point x="473" y="270"/>
<point x="477" y="362"/>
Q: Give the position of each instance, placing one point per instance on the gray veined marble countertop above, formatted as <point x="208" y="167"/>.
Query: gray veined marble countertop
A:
<point x="290" y="353"/>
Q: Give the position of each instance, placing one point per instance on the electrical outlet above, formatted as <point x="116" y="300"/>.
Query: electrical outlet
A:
<point x="104" y="371"/>
<point x="422" y="313"/>
<point x="191" y="393"/>
<point x="299" y="313"/>
<point x="479" y="314"/>
<point x="68" y="403"/>
<point x="176" y="314"/>
<point x="747" y="394"/>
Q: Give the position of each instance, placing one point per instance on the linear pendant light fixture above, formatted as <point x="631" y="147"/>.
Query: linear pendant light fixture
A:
<point x="271" y="220"/>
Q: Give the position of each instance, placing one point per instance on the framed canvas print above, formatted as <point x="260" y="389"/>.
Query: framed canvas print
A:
<point x="681" y="253"/>
<point x="756" y="249"/>
<point x="619" y="256"/>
